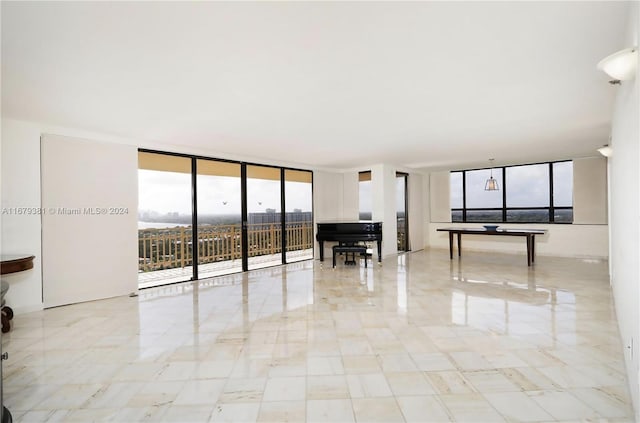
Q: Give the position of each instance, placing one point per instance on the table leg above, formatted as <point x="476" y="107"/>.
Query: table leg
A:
<point x="459" y="244"/>
<point x="451" y="245"/>
<point x="321" y="250"/>
<point x="528" y="250"/>
<point x="533" y="248"/>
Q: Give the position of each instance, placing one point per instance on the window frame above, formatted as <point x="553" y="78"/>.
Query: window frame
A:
<point x="364" y="176"/>
<point x="244" y="209"/>
<point x="504" y="209"/>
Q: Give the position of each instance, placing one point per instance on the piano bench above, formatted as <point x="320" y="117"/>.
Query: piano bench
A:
<point x="350" y="249"/>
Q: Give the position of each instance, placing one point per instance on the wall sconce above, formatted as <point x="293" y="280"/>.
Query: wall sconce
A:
<point x="606" y="150"/>
<point x="621" y="65"/>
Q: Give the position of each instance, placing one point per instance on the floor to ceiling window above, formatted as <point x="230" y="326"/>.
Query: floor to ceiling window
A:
<point x="219" y="205"/>
<point x="165" y="252"/>
<point x="238" y="215"/>
<point x="264" y="220"/>
<point x="298" y="189"/>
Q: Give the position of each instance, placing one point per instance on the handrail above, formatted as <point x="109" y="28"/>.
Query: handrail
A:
<point x="169" y="248"/>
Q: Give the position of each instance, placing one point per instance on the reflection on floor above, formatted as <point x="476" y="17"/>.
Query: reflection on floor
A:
<point x="420" y="338"/>
<point x="219" y="268"/>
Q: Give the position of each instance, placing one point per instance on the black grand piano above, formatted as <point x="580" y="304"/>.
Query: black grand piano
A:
<point x="350" y="233"/>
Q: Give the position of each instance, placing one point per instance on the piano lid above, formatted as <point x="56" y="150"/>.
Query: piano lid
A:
<point x="349" y="230"/>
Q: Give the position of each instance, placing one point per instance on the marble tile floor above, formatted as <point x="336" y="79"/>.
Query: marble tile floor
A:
<point x="419" y="338"/>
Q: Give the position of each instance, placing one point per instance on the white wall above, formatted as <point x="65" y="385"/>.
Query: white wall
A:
<point x="328" y="196"/>
<point x="426" y="211"/>
<point x="416" y="216"/>
<point x="89" y="230"/>
<point x="328" y="188"/>
<point x="21" y="189"/>
<point x="383" y="188"/>
<point x="351" y="193"/>
<point x="580" y="241"/>
<point x="590" y="191"/>
<point x="625" y="213"/>
<point x="440" y="198"/>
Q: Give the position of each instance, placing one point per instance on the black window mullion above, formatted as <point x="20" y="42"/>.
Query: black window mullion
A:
<point x="195" y="254"/>
<point x="406" y="212"/>
<point x="244" y="239"/>
<point x="464" y="196"/>
<point x="504" y="194"/>
<point x="552" y="212"/>
<point x="283" y="220"/>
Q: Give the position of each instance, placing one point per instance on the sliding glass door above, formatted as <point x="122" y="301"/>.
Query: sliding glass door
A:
<point x="219" y="205"/>
<point x="298" y="217"/>
<point x="264" y="218"/>
<point x="165" y="252"/>
<point x="239" y="219"/>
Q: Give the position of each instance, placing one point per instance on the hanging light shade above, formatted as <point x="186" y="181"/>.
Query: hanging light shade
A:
<point x="491" y="184"/>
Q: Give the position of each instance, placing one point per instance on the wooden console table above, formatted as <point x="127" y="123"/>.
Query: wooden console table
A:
<point x="15" y="263"/>
<point x="529" y="234"/>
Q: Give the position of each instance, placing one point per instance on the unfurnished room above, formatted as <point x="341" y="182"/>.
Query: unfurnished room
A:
<point x="320" y="211"/>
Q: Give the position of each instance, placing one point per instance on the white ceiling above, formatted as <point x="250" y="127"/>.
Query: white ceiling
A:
<point x="330" y="85"/>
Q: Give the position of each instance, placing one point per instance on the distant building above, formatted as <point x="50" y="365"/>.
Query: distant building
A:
<point x="274" y="217"/>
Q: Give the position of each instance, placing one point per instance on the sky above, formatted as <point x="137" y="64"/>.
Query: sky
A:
<point x="166" y="192"/>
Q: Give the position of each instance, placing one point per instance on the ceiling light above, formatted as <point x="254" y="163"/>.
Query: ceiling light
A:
<point x="621" y="66"/>
<point x="491" y="184"/>
<point x="606" y="151"/>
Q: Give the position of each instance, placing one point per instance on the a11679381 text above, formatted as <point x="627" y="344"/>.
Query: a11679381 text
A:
<point x="65" y="211"/>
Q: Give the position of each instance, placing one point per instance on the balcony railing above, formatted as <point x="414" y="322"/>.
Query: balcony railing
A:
<point x="169" y="248"/>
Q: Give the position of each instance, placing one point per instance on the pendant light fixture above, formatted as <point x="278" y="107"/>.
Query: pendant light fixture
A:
<point x="491" y="184"/>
